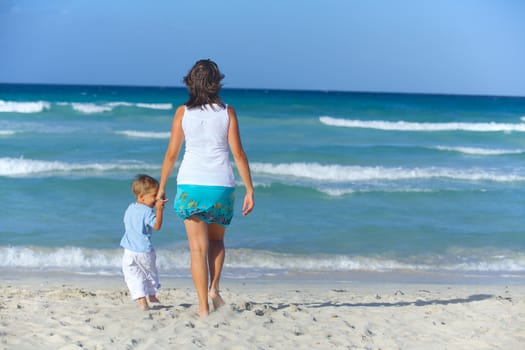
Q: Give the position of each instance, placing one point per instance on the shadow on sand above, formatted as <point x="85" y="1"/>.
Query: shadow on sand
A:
<point x="472" y="298"/>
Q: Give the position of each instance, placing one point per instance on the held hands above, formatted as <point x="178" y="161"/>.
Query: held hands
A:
<point x="161" y="194"/>
<point x="159" y="202"/>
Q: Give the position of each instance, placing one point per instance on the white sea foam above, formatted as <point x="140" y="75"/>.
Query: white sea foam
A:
<point x="337" y="192"/>
<point x="249" y="259"/>
<point x="85" y="260"/>
<point x="24" y="107"/>
<point x="91" y="108"/>
<point x="342" y="191"/>
<point x="56" y="257"/>
<point x="82" y="107"/>
<point x="162" y="106"/>
<point x="7" y="132"/>
<point x="343" y="173"/>
<point x="481" y="151"/>
<point x="411" y="126"/>
<point x="80" y="260"/>
<point x="16" y="167"/>
<point x="119" y="104"/>
<point x="144" y="134"/>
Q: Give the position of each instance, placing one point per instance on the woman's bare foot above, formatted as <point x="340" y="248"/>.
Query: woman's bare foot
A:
<point x="153" y="299"/>
<point x="143" y="304"/>
<point x="216" y="298"/>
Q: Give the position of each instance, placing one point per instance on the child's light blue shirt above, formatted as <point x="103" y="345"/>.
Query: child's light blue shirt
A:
<point x="139" y="220"/>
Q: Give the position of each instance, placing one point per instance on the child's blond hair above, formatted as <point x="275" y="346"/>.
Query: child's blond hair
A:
<point x="143" y="184"/>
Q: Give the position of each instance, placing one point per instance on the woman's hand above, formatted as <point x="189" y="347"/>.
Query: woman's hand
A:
<point x="248" y="204"/>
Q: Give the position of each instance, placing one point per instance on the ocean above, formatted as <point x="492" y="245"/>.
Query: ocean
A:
<point x="347" y="184"/>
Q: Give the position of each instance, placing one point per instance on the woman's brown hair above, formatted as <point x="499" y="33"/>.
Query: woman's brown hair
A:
<point x="204" y="83"/>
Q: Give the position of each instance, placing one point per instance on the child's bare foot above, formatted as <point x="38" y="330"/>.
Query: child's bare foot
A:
<point x="153" y="299"/>
<point x="143" y="304"/>
<point x="216" y="298"/>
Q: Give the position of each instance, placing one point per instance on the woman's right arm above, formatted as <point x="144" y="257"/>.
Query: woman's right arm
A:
<point x="172" y="152"/>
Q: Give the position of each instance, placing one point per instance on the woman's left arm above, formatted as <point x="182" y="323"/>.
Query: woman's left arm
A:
<point x="241" y="161"/>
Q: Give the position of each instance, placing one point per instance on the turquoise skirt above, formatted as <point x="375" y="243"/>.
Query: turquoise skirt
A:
<point x="211" y="204"/>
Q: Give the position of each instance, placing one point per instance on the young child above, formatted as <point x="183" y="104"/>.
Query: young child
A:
<point x="139" y="260"/>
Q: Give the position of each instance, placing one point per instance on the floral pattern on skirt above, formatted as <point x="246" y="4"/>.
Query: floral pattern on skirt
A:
<point x="211" y="204"/>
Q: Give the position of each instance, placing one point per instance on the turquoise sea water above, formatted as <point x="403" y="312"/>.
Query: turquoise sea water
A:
<point x="345" y="182"/>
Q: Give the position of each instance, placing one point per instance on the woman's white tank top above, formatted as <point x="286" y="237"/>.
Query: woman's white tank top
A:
<point x="206" y="158"/>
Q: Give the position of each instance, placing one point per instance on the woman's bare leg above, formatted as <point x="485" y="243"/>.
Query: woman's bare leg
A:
<point x="216" y="255"/>
<point x="197" y="232"/>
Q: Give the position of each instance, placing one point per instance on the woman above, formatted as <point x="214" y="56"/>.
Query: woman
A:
<point x="205" y="180"/>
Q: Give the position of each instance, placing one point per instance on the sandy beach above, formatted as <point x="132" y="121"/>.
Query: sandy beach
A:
<point x="57" y="311"/>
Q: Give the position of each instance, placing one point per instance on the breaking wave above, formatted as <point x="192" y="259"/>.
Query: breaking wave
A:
<point x="347" y="173"/>
<point x="411" y="126"/>
<point x="144" y="134"/>
<point x="249" y="261"/>
<point x="481" y="151"/>
<point x="24" y="107"/>
<point x="19" y="167"/>
<point x="85" y="108"/>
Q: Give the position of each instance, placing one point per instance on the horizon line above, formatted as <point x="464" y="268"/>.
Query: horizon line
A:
<point x="272" y="89"/>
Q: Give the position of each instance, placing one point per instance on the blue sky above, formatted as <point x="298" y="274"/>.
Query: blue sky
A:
<point x="445" y="46"/>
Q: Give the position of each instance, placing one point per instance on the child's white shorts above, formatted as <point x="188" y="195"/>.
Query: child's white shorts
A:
<point x="140" y="273"/>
